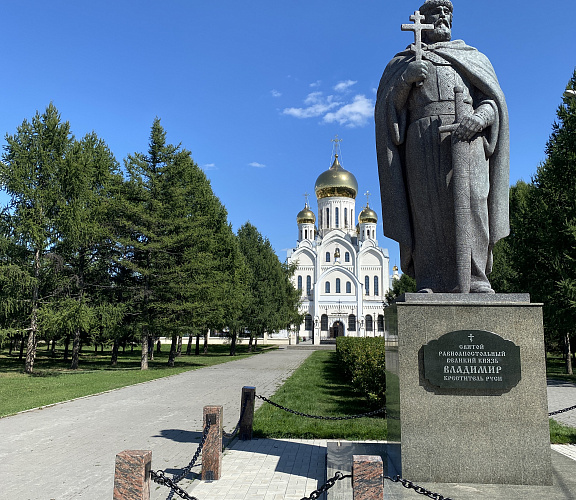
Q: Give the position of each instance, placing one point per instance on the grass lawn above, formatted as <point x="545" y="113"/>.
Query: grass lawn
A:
<point x="556" y="368"/>
<point x="53" y="381"/>
<point x="561" y="434"/>
<point x="318" y="387"/>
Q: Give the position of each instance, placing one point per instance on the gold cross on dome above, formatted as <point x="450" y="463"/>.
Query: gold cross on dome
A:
<point x="306" y="197"/>
<point x="367" y="194"/>
<point x="336" y="142"/>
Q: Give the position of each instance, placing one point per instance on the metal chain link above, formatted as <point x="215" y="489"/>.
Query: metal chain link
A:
<point x="418" y="489"/>
<point x="564" y="410"/>
<point x="350" y="417"/>
<point x="187" y="469"/>
<point x="325" y="487"/>
<point x="160" y="478"/>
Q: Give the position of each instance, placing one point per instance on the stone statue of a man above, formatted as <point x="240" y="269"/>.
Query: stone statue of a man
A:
<point x="416" y="165"/>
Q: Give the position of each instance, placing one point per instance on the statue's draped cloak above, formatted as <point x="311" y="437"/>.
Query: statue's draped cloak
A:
<point x="391" y="127"/>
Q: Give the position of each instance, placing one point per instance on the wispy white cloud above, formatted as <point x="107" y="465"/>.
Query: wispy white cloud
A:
<point x="316" y="104"/>
<point x="354" y="114"/>
<point x="317" y="83"/>
<point x="256" y="164"/>
<point x="209" y="166"/>
<point x="344" y="86"/>
<point x="275" y="93"/>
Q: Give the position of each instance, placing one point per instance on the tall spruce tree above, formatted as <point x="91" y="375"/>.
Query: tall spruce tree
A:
<point x="176" y="244"/>
<point x="273" y="302"/>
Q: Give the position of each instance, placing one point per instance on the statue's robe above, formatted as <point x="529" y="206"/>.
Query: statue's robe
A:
<point x="415" y="164"/>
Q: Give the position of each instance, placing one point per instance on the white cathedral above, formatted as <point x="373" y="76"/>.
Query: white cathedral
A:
<point x="341" y="271"/>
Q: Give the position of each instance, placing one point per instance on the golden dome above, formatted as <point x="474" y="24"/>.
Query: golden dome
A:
<point x="367" y="216"/>
<point x="306" y="216"/>
<point x="336" y="182"/>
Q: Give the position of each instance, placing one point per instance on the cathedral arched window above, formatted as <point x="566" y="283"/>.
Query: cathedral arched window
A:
<point x="347" y="257"/>
<point x="306" y="234"/>
<point x="367" y="285"/>
<point x="380" y="323"/>
<point x="308" y="285"/>
<point x="299" y="282"/>
<point x="308" y="322"/>
<point x="369" y="323"/>
<point x="327" y="217"/>
<point x="351" y="323"/>
<point x="327" y="287"/>
<point x="327" y="256"/>
<point x="336" y="217"/>
<point x="320" y="219"/>
<point x="345" y="217"/>
<point x="324" y="322"/>
<point x="373" y="234"/>
<point x="375" y="285"/>
<point x="348" y="287"/>
<point x="337" y="285"/>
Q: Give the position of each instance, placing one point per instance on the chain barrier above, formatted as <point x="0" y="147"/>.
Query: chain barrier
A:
<point x="418" y="489"/>
<point x="318" y="417"/>
<point x="564" y="410"/>
<point x="325" y="487"/>
<point x="160" y="478"/>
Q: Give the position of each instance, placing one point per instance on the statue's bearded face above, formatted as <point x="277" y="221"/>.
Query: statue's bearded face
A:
<point x="441" y="18"/>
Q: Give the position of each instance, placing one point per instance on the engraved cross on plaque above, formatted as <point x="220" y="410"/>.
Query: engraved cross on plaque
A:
<point x="471" y="337"/>
<point x="417" y="28"/>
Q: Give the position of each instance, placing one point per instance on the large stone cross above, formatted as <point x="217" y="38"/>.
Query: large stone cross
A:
<point x="417" y="28"/>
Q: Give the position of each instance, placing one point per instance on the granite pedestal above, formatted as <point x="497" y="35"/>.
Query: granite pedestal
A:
<point x="468" y="434"/>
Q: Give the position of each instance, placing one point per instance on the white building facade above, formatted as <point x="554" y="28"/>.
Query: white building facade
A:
<point x="341" y="271"/>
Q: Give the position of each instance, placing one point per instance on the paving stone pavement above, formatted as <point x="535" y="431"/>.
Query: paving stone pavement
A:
<point x="67" y="451"/>
<point x="561" y="395"/>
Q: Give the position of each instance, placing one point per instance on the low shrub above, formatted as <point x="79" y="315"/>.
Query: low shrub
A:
<point x="363" y="361"/>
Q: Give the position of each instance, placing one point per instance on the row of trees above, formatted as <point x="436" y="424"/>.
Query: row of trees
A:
<point x="539" y="256"/>
<point x="92" y="250"/>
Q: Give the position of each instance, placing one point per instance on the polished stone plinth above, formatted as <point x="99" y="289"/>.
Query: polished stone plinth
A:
<point x="212" y="450"/>
<point x="132" y="475"/>
<point x="467" y="435"/>
<point x="367" y="477"/>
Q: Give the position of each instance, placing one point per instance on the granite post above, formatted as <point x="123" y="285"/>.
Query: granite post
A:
<point x="473" y="412"/>
<point x="132" y="475"/>
<point x="367" y="477"/>
<point x="247" y="419"/>
<point x="212" y="451"/>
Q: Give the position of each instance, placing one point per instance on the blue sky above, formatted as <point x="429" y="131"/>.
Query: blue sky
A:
<point x="258" y="89"/>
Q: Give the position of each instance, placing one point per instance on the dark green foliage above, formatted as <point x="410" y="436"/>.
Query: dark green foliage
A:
<point x="363" y="360"/>
<point x="539" y="256"/>
<point x="405" y="284"/>
<point x="272" y="303"/>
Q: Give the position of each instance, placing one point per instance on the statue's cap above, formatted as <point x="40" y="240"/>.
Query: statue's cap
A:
<point x="430" y="4"/>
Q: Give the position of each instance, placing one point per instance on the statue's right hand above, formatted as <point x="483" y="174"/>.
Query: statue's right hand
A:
<point x="417" y="71"/>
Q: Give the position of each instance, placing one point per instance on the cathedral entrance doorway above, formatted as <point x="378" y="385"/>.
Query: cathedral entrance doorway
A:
<point x="337" y="330"/>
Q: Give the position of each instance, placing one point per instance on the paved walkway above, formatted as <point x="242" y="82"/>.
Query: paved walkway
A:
<point x="67" y="451"/>
<point x="562" y="395"/>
